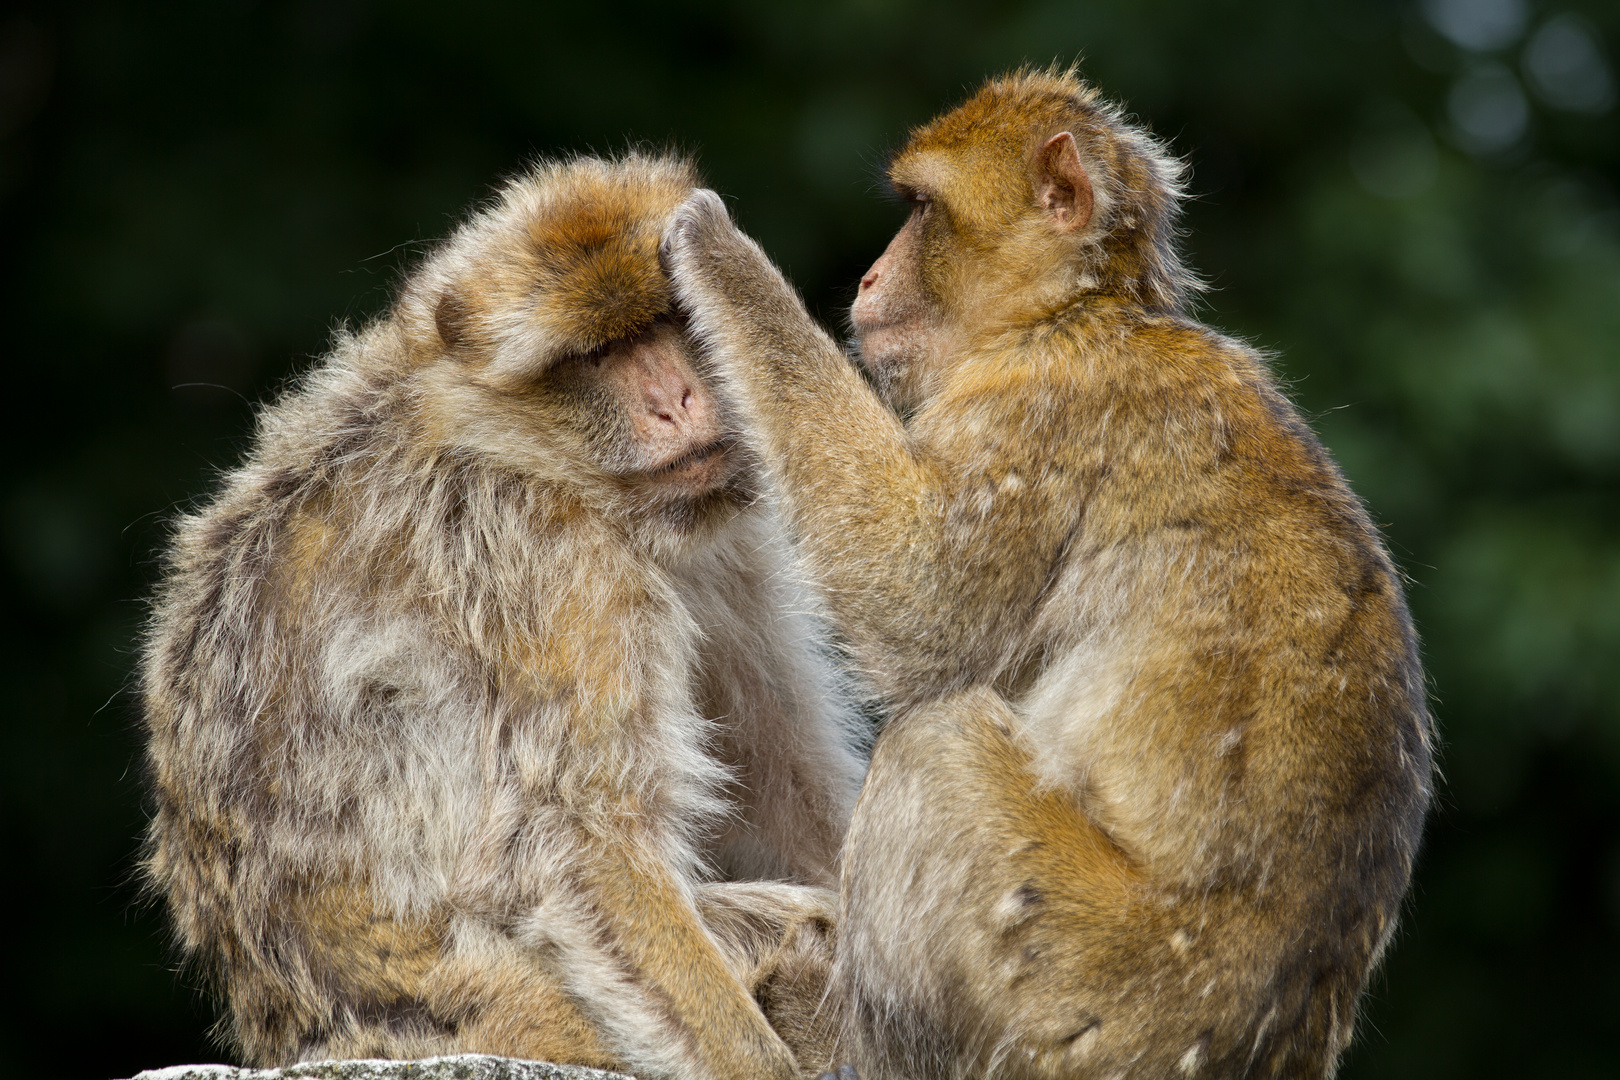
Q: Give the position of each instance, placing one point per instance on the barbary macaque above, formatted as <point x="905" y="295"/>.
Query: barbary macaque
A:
<point x="486" y="709"/>
<point x="1159" y="754"/>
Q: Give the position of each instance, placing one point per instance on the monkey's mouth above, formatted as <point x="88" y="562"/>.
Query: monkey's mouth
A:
<point x="692" y="465"/>
<point x="887" y="342"/>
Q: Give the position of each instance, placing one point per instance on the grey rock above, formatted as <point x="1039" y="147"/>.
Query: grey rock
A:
<point x="452" y="1067"/>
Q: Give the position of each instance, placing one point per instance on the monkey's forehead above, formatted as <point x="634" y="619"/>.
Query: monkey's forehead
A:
<point x="603" y="291"/>
<point x="564" y="262"/>
<point x="985" y="182"/>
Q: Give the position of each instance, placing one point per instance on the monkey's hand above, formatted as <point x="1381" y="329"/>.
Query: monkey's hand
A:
<point x="737" y="302"/>
<point x="697" y="240"/>
<point x="698" y="237"/>
<point x="702" y="214"/>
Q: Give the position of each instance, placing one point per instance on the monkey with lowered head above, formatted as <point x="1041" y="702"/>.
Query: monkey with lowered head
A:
<point x="471" y="682"/>
<point x="1159" y="754"/>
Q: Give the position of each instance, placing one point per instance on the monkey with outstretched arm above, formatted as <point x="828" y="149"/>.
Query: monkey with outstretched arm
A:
<point x="1159" y="754"/>
<point x="485" y="710"/>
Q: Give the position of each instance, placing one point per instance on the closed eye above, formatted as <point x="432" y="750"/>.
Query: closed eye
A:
<point x="905" y="193"/>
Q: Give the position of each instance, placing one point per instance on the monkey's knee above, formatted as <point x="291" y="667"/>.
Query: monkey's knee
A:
<point x="976" y="720"/>
<point x="949" y="760"/>
<point x="928" y="844"/>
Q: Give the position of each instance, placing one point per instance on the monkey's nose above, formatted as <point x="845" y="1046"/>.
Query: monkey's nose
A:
<point x="673" y="402"/>
<point x="869" y="280"/>
<point x="671" y="411"/>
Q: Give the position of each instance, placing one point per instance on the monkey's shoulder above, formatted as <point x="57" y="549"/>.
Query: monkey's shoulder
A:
<point x="356" y="523"/>
<point x="1189" y="381"/>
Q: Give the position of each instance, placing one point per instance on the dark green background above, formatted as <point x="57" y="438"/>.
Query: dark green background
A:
<point x="194" y="198"/>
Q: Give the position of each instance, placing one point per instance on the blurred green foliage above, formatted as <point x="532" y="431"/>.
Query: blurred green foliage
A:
<point x="1413" y="205"/>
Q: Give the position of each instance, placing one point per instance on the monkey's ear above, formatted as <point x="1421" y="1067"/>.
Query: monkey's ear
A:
<point x="1061" y="185"/>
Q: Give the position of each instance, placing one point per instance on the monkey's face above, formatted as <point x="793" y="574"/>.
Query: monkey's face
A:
<point x="896" y="316"/>
<point x="637" y="410"/>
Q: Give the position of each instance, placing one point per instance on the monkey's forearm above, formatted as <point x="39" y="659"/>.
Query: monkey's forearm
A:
<point x="653" y="926"/>
<point x="846" y="475"/>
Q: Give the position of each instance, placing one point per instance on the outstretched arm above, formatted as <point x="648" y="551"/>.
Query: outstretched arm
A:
<point x="817" y="422"/>
<point x="883" y="523"/>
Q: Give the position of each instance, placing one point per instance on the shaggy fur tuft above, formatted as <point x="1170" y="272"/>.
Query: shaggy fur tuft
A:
<point x="566" y="261"/>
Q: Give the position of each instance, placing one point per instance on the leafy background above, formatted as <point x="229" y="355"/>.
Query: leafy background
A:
<point x="1413" y="205"/>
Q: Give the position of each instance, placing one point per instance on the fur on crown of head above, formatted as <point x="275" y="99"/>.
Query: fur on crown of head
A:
<point x="564" y="262"/>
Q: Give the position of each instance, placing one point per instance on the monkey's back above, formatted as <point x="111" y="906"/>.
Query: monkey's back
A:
<point x="1234" y="694"/>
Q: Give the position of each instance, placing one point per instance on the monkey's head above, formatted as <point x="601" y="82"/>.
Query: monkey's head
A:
<point x="544" y="335"/>
<point x="1030" y="195"/>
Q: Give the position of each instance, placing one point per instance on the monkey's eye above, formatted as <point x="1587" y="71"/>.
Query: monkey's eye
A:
<point x="903" y="193"/>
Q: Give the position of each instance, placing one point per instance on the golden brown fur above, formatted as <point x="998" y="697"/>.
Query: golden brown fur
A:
<point x="1159" y="756"/>
<point x="487" y="663"/>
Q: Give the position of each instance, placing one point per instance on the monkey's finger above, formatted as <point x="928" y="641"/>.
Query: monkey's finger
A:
<point x="702" y="210"/>
<point x="846" y="1071"/>
<point x="705" y="205"/>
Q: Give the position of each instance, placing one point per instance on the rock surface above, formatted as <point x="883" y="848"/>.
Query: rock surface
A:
<point x="453" y="1067"/>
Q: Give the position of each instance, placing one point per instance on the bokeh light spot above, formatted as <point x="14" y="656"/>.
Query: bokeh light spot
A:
<point x="1479" y="25"/>
<point x="1488" y="111"/>
<point x="1565" y="66"/>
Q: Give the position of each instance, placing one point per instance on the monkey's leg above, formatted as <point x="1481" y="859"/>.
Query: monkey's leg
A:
<point x="346" y="980"/>
<point x="643" y="986"/>
<point x="381" y="987"/>
<point x="988" y="927"/>
<point x="779" y="940"/>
